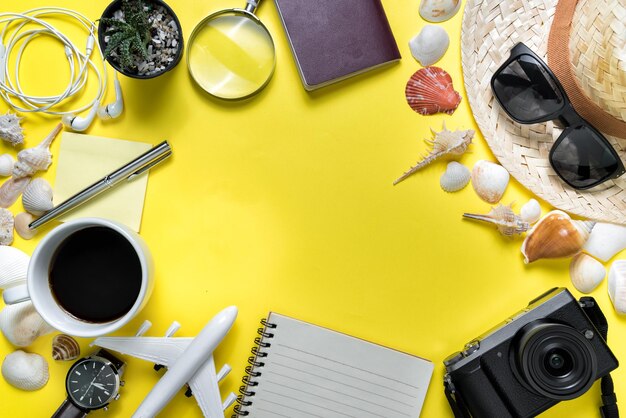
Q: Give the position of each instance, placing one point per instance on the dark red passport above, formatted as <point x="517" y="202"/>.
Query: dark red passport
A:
<point x="335" y="39"/>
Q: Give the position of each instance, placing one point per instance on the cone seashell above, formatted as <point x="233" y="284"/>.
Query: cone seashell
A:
<point x="10" y="129"/>
<point x="531" y="211"/>
<point x="617" y="285"/>
<point x="13" y="267"/>
<point x="39" y="158"/>
<point x="25" y="371"/>
<point x="6" y="227"/>
<point x="503" y="217"/>
<point x="489" y="181"/>
<point x="429" y="45"/>
<point x="455" y="177"/>
<point x="37" y="197"/>
<point x="445" y="142"/>
<point x="65" y="348"/>
<point x="22" y="220"/>
<point x="6" y="165"/>
<point x="605" y="241"/>
<point x="439" y="10"/>
<point x="430" y="91"/>
<point x="586" y="272"/>
<point x="556" y="235"/>
<point x="22" y="325"/>
<point x="11" y="190"/>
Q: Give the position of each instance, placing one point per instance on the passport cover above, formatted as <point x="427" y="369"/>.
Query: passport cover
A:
<point x="335" y="39"/>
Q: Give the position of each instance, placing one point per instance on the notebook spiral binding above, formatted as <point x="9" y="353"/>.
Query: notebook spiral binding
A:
<point x="255" y="362"/>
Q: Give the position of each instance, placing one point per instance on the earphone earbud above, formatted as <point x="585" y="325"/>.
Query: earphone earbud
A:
<point x="79" y="124"/>
<point x="113" y="110"/>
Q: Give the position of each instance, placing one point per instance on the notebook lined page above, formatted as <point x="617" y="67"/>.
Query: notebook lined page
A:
<point x="316" y="372"/>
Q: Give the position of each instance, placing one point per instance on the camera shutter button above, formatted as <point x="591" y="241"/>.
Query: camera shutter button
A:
<point x="471" y="347"/>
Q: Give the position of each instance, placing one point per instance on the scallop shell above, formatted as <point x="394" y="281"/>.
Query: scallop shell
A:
<point x="13" y="267"/>
<point x="445" y="142"/>
<point x="22" y="220"/>
<point x="25" y="371"/>
<point x="11" y="190"/>
<point x="6" y="165"/>
<point x="429" y="45"/>
<point x="430" y="91"/>
<point x="37" y="198"/>
<point x="605" y="241"/>
<point x="531" y="211"/>
<point x="65" y="348"/>
<point x="39" y="158"/>
<point x="455" y="177"/>
<point x="586" y="273"/>
<point x="439" y="10"/>
<point x="503" y="217"/>
<point x="617" y="285"/>
<point x="10" y="129"/>
<point x="21" y="324"/>
<point x="556" y="235"/>
<point x="6" y="227"/>
<point x="489" y="181"/>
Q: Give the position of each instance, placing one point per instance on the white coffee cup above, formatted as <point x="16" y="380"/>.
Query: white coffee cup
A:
<point x="37" y="287"/>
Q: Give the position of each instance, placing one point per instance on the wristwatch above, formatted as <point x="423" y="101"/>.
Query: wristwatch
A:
<point x="91" y="383"/>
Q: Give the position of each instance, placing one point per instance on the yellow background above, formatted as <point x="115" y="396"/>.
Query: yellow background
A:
<point x="285" y="203"/>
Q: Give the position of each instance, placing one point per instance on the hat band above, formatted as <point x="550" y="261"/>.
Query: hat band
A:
<point x="559" y="63"/>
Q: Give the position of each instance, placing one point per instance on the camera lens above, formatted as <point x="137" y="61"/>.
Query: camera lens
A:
<point x="555" y="360"/>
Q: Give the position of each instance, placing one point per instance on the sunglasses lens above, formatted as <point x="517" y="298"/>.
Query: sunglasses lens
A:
<point x="526" y="90"/>
<point x="583" y="158"/>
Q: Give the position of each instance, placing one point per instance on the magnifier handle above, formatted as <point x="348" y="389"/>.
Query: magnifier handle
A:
<point x="251" y="5"/>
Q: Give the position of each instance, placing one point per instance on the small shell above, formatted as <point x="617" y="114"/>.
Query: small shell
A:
<point x="489" y="181"/>
<point x="25" y="371"/>
<point x="531" y="211"/>
<point x="11" y="190"/>
<point x="439" y="10"/>
<point x="13" y="267"/>
<point x="430" y="91"/>
<point x="429" y="45"/>
<point x="39" y="158"/>
<point x="6" y="165"/>
<point x="6" y="227"/>
<point x="507" y="222"/>
<point x="455" y="177"/>
<point x="617" y="285"/>
<point x="10" y="129"/>
<point x="586" y="273"/>
<point x="22" y="220"/>
<point x="37" y="198"/>
<point x="21" y="324"/>
<point x="605" y="241"/>
<point x="556" y="235"/>
<point x="65" y="348"/>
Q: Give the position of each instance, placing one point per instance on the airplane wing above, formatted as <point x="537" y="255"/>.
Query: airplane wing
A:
<point x="204" y="387"/>
<point x="158" y="350"/>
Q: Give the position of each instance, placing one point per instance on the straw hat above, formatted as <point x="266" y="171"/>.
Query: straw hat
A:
<point x="592" y="67"/>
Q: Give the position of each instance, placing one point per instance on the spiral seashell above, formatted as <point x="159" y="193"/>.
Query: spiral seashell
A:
<point x="11" y="190"/>
<point x="65" y="348"/>
<point x="439" y="10"/>
<point x="37" y="197"/>
<point x="455" y="177"/>
<point x="489" y="181"/>
<point x="22" y="220"/>
<point x="10" y="129"/>
<point x="39" y="158"/>
<point x="586" y="272"/>
<point x="13" y="267"/>
<point x="6" y="165"/>
<point x="25" y="371"/>
<point x="429" y="45"/>
<point x="605" y="241"/>
<point x="531" y="211"/>
<point x="430" y="91"/>
<point x="503" y="217"/>
<point x="556" y="235"/>
<point x="617" y="285"/>
<point x="6" y="227"/>
<point x="21" y="324"/>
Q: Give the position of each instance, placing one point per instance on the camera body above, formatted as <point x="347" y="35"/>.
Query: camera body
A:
<point x="547" y="352"/>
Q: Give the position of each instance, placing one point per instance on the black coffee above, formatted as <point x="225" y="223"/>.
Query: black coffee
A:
<point x="95" y="275"/>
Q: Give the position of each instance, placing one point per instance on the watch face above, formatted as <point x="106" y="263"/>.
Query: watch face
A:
<point x="92" y="383"/>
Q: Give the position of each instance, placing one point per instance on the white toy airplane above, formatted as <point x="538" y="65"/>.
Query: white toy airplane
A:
<point x="188" y="360"/>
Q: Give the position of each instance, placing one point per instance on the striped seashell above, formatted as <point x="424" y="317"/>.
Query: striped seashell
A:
<point x="37" y="198"/>
<point x="11" y="190"/>
<point x="65" y="348"/>
<point x="455" y="177"/>
<point x="26" y="371"/>
<point x="13" y="267"/>
<point x="430" y="91"/>
<point x="38" y="158"/>
<point x="6" y="165"/>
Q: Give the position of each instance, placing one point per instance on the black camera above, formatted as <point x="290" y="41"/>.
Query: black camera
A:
<point x="548" y="352"/>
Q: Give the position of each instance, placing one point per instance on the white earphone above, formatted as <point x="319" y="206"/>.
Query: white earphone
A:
<point x="108" y="111"/>
<point x="113" y="110"/>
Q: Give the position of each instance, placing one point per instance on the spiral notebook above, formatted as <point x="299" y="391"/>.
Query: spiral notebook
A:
<point x="302" y="370"/>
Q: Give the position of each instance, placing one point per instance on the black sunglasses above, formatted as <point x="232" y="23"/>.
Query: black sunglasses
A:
<point x="530" y="93"/>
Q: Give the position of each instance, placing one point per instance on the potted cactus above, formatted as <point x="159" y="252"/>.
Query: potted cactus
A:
<point x="140" y="38"/>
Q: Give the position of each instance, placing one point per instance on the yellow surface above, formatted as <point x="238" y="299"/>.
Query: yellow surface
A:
<point x="285" y="202"/>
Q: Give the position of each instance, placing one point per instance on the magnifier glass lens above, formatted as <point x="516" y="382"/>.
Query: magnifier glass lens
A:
<point x="231" y="56"/>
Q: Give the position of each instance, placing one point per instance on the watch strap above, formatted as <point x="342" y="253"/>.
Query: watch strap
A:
<point x="69" y="410"/>
<point x="117" y="363"/>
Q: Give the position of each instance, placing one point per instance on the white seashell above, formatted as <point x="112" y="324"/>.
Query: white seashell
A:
<point x="21" y="324"/>
<point x="65" y="348"/>
<point x="617" y="285"/>
<point x="6" y="227"/>
<point x="455" y="177"/>
<point x="22" y="220"/>
<point x="37" y="197"/>
<point x="10" y="129"/>
<point x="503" y="217"/>
<point x="39" y="158"/>
<point x="6" y="165"/>
<point x="11" y="190"/>
<point x="489" y="181"/>
<point x="429" y="45"/>
<point x="586" y="272"/>
<point x="13" y="267"/>
<point x="25" y="371"/>
<point x="439" y="10"/>
<point x="605" y="241"/>
<point x="531" y="211"/>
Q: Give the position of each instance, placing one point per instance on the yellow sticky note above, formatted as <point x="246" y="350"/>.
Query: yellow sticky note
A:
<point x="85" y="159"/>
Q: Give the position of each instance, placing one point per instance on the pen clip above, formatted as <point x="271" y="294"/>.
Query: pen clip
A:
<point x="147" y="167"/>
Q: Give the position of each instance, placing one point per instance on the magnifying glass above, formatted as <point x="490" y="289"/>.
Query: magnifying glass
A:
<point x="231" y="53"/>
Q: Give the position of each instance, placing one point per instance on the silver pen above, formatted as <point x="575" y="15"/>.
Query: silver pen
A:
<point x="129" y="171"/>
